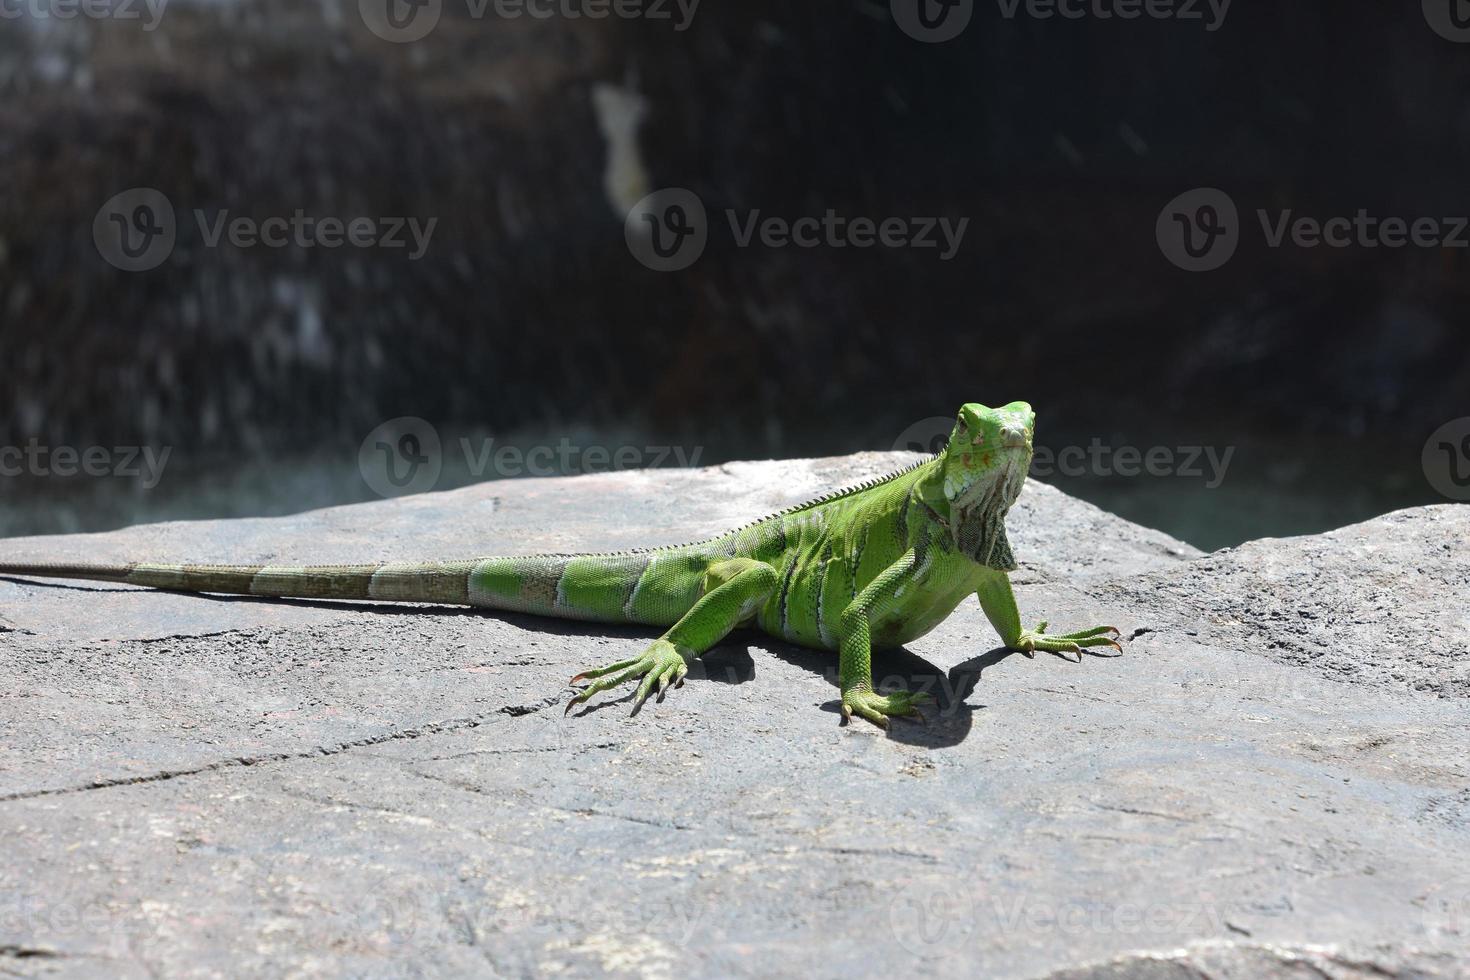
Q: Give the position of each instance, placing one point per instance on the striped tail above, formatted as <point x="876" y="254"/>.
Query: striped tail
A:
<point x="445" y="582"/>
<point x="650" y="587"/>
<point x="653" y="587"/>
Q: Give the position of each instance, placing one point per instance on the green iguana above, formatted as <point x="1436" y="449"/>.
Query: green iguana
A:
<point x="875" y="565"/>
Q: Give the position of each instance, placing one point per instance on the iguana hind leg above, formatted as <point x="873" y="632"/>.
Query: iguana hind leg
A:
<point x="734" y="590"/>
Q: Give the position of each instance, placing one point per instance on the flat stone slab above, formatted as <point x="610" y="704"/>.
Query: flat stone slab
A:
<point x="1272" y="781"/>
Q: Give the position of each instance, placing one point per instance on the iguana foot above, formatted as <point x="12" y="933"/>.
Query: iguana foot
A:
<point x="1063" y="644"/>
<point x="660" y="664"/>
<point x="878" y="708"/>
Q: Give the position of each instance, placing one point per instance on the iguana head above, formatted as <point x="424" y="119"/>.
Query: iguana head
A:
<point x="983" y="467"/>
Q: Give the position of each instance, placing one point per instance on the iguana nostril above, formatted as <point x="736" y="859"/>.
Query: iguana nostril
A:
<point x="1013" y="438"/>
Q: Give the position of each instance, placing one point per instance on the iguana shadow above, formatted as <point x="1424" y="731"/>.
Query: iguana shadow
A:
<point x="948" y="719"/>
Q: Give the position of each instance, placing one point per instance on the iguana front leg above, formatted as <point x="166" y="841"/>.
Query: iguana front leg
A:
<point x="999" y="603"/>
<point x="734" y="590"/>
<point x="879" y="599"/>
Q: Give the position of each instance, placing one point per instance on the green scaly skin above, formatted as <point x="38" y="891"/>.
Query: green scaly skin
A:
<point x="873" y="566"/>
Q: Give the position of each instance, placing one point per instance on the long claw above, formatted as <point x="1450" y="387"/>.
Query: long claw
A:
<point x="1101" y="641"/>
<point x="644" y="690"/>
<point x="1068" y="646"/>
<point x="588" y="675"/>
<point x="1086" y="634"/>
<point x="657" y="664"/>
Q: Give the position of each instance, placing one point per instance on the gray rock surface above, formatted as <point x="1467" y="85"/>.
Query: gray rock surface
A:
<point x="1271" y="782"/>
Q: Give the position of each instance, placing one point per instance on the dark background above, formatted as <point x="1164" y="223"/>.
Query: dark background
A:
<point x="263" y="370"/>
